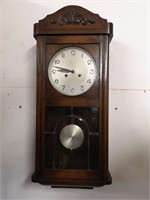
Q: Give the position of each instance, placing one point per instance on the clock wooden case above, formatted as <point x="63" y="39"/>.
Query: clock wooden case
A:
<point x="72" y="99"/>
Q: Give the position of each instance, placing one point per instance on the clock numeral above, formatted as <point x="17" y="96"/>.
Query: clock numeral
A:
<point x="56" y="81"/>
<point x="91" y="71"/>
<point x="57" y="62"/>
<point x="89" y="62"/>
<point x="82" y="88"/>
<point x="63" y="87"/>
<point x="63" y="55"/>
<point x="82" y="55"/>
<point x="89" y="81"/>
<point x="73" y="52"/>
<point x="72" y="90"/>
<point x="54" y="71"/>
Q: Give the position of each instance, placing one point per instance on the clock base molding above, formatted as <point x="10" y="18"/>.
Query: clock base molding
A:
<point x="67" y="187"/>
<point x="72" y="183"/>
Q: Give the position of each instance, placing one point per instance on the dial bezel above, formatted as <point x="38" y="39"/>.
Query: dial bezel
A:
<point x="70" y="91"/>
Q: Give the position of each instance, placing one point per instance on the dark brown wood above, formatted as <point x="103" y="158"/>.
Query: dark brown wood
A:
<point x="73" y="20"/>
<point x="76" y="27"/>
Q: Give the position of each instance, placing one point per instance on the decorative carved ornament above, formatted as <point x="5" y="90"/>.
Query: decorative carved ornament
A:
<point x="72" y="20"/>
<point x="73" y="17"/>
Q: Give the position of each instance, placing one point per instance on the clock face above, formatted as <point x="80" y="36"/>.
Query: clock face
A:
<point x="72" y="71"/>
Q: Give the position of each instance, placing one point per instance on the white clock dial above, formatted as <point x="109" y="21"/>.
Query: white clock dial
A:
<point x="72" y="71"/>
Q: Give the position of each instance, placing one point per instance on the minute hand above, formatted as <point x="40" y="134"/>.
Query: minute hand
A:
<point x="64" y="70"/>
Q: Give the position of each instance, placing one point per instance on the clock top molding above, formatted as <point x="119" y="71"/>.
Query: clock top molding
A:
<point x="73" y="20"/>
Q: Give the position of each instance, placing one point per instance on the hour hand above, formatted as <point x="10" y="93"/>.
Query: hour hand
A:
<point x="64" y="70"/>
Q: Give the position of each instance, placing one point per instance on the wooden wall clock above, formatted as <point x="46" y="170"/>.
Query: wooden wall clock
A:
<point x="72" y="99"/>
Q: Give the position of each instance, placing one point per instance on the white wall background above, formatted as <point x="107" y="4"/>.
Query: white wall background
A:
<point x="129" y="99"/>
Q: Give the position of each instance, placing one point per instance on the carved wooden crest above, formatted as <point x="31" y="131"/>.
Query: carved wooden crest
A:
<point x="73" y="20"/>
<point x="73" y="16"/>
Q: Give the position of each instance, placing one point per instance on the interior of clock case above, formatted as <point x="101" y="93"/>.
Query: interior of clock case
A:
<point x="59" y="157"/>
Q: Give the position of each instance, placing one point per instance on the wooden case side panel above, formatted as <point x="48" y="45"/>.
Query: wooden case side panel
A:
<point x="39" y="106"/>
<point x="104" y="46"/>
